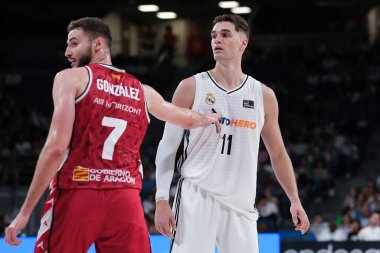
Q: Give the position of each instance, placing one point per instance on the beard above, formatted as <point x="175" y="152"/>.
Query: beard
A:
<point x="85" y="59"/>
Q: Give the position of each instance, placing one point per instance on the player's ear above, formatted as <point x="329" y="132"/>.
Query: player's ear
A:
<point x="99" y="43"/>
<point x="244" y="43"/>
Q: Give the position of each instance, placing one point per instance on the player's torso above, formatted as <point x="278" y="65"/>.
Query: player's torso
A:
<point x="110" y="124"/>
<point x="226" y="164"/>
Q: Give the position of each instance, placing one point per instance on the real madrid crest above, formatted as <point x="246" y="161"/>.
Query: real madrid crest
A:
<point x="210" y="99"/>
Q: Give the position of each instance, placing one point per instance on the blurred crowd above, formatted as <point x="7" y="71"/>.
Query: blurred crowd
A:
<point x="358" y="221"/>
<point x="328" y="106"/>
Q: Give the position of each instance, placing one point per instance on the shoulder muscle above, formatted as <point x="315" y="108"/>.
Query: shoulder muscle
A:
<point x="185" y="92"/>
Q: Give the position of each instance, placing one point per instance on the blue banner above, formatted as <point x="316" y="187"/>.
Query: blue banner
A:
<point x="268" y="243"/>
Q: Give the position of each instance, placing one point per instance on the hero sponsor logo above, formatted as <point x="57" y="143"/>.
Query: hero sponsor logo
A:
<point x="238" y="123"/>
<point x="102" y="175"/>
<point x="118" y="89"/>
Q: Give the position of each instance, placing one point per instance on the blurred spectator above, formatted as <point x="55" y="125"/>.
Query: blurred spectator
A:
<point x="320" y="228"/>
<point x="148" y="41"/>
<point x="149" y="204"/>
<point x="343" y="229"/>
<point x="167" y="48"/>
<point x="374" y="202"/>
<point x="350" y="156"/>
<point x="350" y="199"/>
<point x="268" y="210"/>
<point x="364" y="214"/>
<point x="372" y="231"/>
<point x="320" y="178"/>
<point x="355" y="227"/>
<point x="150" y="223"/>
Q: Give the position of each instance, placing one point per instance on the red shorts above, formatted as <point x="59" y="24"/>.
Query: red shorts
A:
<point x="73" y="220"/>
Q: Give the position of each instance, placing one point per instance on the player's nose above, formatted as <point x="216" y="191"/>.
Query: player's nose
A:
<point x="68" y="52"/>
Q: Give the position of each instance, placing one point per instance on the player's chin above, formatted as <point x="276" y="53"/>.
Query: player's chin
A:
<point x="217" y="57"/>
<point x="75" y="64"/>
<point x="220" y="57"/>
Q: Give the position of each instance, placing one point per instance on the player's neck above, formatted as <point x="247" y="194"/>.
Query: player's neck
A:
<point x="102" y="59"/>
<point x="228" y="76"/>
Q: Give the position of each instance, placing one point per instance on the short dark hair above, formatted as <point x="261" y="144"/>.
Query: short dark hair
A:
<point x="95" y="27"/>
<point x="239" y="22"/>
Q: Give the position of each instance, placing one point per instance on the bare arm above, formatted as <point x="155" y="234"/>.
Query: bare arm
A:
<point x="281" y="162"/>
<point x="182" y="117"/>
<point x="65" y="89"/>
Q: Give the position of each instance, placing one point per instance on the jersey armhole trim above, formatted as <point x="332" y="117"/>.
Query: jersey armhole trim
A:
<point x="197" y="92"/>
<point x="146" y="104"/>
<point x="261" y="95"/>
<point x="84" y="93"/>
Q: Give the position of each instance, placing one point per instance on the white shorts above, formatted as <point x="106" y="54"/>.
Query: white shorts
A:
<point x="203" y="222"/>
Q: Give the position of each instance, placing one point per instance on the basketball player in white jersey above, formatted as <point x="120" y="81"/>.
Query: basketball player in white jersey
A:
<point x="215" y="198"/>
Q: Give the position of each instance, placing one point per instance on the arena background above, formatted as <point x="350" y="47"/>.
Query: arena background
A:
<point x="321" y="57"/>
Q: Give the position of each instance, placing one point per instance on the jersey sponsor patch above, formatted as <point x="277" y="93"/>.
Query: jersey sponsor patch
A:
<point x="248" y="104"/>
<point x="80" y="174"/>
<point x="103" y="175"/>
<point x="116" y="76"/>
<point x="238" y="123"/>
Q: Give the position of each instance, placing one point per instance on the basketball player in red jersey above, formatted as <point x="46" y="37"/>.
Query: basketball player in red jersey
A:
<point x="92" y="152"/>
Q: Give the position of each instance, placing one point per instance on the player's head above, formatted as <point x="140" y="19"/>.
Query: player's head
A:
<point x="240" y="23"/>
<point x="86" y="37"/>
<point x="229" y="36"/>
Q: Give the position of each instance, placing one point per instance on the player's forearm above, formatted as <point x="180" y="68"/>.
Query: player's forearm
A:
<point x="163" y="183"/>
<point x="47" y="165"/>
<point x="199" y="120"/>
<point x="185" y="118"/>
<point x="165" y="159"/>
<point x="283" y="170"/>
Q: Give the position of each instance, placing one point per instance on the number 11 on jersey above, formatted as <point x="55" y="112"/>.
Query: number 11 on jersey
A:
<point x="229" y="140"/>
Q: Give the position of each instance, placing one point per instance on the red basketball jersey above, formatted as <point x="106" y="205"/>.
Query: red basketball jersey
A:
<point x="111" y="120"/>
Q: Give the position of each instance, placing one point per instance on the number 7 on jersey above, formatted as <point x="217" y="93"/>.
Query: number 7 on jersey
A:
<point x="109" y="144"/>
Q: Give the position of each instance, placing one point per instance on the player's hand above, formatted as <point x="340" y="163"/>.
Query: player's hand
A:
<point x="299" y="217"/>
<point x="215" y="119"/>
<point x="16" y="226"/>
<point x="164" y="218"/>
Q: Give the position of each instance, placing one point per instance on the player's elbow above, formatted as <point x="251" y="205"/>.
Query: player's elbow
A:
<point x="280" y="157"/>
<point x="55" y="150"/>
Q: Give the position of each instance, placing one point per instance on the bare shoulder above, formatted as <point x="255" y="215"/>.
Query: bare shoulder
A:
<point x="270" y="101"/>
<point x="73" y="75"/>
<point x="147" y="88"/>
<point x="75" y="79"/>
<point x="187" y="84"/>
<point x="185" y="93"/>
<point x="268" y="93"/>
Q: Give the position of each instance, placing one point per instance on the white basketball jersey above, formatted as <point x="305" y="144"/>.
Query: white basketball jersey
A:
<point x="225" y="165"/>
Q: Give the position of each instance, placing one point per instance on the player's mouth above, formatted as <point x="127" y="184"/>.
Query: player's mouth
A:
<point x="218" y="49"/>
<point x="72" y="62"/>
